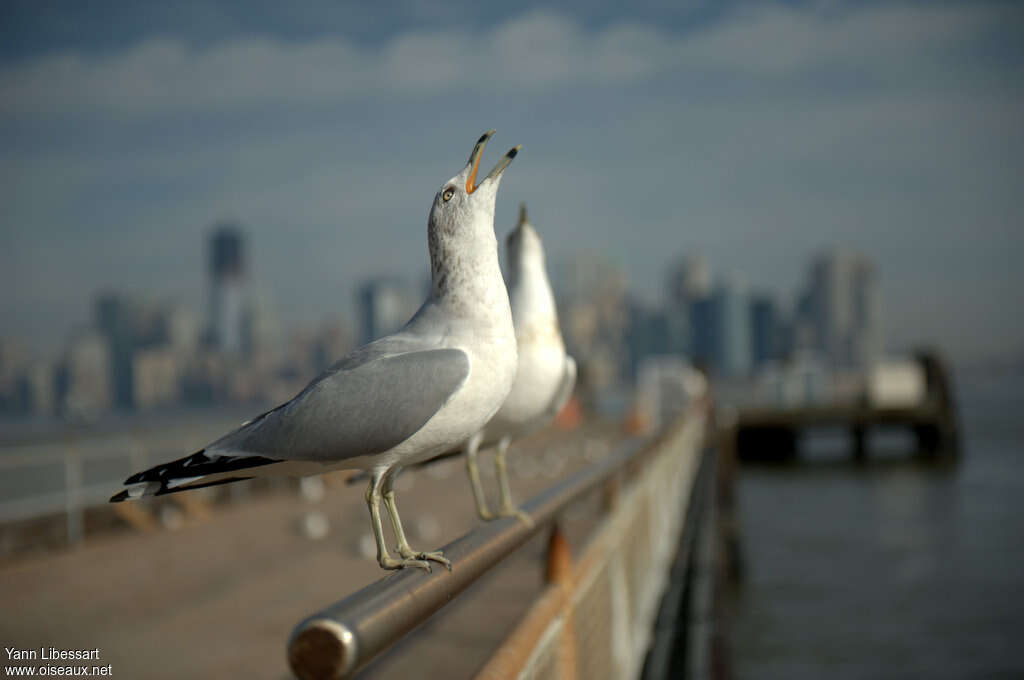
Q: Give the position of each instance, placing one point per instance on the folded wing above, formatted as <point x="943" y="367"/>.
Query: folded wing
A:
<point x="353" y="411"/>
<point x="367" y="403"/>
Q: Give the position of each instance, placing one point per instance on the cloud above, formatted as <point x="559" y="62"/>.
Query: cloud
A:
<point x="786" y="42"/>
<point x="541" y="50"/>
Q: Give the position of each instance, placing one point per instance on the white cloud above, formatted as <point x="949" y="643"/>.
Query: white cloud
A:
<point x="536" y="51"/>
<point x="780" y="41"/>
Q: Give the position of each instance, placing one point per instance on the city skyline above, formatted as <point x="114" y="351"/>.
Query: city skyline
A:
<point x="205" y="299"/>
<point x="140" y="354"/>
<point x="755" y="133"/>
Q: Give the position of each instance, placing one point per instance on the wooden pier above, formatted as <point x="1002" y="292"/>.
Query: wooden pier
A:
<point x="774" y="433"/>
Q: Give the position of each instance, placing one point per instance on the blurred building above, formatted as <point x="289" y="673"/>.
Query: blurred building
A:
<point x="180" y="329"/>
<point x="83" y="381"/>
<point x="13" y="359"/>
<point x="840" y="310"/>
<point x="688" y="282"/>
<point x="228" y="294"/>
<point x="330" y="343"/>
<point x="385" y="304"/>
<point x="37" y="389"/>
<point x="648" y="335"/>
<point x="665" y="385"/>
<point x="722" y="331"/>
<point x="306" y="354"/>
<point x="27" y="385"/>
<point x="204" y="378"/>
<point x="689" y="279"/>
<point x="147" y="336"/>
<point x="767" y="330"/>
<point x="115" y="317"/>
<point x="594" y="312"/>
<point x="156" y="377"/>
<point x="260" y="331"/>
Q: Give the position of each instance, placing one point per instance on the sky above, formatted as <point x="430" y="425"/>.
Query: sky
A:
<point x="755" y="133"/>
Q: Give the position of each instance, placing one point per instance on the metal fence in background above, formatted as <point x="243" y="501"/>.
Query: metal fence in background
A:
<point x="49" y="479"/>
<point x="68" y="473"/>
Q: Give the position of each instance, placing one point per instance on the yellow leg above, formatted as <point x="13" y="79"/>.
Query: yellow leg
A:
<point x="508" y="507"/>
<point x="474" y="478"/>
<point x="373" y="498"/>
<point x="403" y="545"/>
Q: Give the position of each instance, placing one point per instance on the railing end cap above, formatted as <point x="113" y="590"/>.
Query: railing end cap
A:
<point x="322" y="648"/>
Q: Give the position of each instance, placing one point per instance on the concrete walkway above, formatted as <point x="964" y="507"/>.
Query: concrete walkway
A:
<point x="218" y="598"/>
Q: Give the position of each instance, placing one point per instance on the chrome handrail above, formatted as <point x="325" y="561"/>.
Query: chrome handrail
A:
<point x="343" y="637"/>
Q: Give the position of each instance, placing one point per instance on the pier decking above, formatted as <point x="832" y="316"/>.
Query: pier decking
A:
<point x="773" y="432"/>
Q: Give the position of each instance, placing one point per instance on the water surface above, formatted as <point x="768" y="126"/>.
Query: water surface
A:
<point x="893" y="569"/>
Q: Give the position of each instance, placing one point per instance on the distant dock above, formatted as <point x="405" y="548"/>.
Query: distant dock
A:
<point x="774" y="433"/>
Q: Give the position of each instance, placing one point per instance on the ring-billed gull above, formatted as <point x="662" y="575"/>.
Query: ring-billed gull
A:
<point x="546" y="374"/>
<point x="404" y="398"/>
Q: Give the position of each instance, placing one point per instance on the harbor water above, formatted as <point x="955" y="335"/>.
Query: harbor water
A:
<point x="895" y="568"/>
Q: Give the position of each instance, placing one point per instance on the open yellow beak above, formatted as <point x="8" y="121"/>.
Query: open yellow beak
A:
<point x="474" y="161"/>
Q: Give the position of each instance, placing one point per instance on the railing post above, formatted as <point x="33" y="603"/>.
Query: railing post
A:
<point x="558" y="565"/>
<point x="612" y="489"/>
<point x="558" y="572"/>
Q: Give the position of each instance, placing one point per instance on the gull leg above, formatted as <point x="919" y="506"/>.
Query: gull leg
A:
<point x="472" y="446"/>
<point x="508" y="508"/>
<point x="403" y="545"/>
<point x="373" y="498"/>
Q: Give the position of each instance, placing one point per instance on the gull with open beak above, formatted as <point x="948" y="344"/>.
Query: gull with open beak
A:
<point x="404" y="398"/>
<point x="546" y="374"/>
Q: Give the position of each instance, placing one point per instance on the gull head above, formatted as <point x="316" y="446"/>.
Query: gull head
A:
<point x="523" y="243"/>
<point x="463" y="199"/>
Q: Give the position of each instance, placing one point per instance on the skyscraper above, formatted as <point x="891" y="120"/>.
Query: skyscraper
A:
<point x="766" y="330"/>
<point x="115" y="320"/>
<point x="688" y="283"/>
<point x="721" y="326"/>
<point x="841" y="307"/>
<point x="689" y="279"/>
<point x="84" y="377"/>
<point x="227" y="288"/>
<point x="648" y="334"/>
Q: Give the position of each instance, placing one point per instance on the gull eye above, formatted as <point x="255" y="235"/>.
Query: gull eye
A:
<point x="447" y="195"/>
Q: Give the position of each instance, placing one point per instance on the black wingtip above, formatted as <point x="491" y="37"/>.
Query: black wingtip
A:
<point x="120" y="496"/>
<point x="512" y="153"/>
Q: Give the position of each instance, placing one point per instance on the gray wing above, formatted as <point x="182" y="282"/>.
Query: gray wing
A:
<point x="356" y="408"/>
<point x="565" y="387"/>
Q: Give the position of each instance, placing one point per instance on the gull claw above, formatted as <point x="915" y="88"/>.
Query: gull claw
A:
<point x="393" y="563"/>
<point x="436" y="556"/>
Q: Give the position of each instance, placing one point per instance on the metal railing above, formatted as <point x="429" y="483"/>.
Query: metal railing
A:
<point x="685" y="630"/>
<point x="600" y="617"/>
<point x="340" y="639"/>
<point x="67" y="472"/>
<point x="72" y="468"/>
